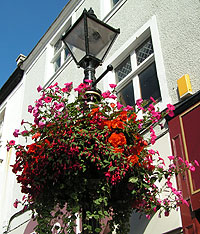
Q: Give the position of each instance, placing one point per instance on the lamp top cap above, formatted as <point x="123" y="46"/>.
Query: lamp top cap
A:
<point x="90" y="12"/>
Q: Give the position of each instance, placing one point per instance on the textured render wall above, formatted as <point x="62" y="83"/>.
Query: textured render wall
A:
<point x="178" y="25"/>
<point x="95" y="4"/>
<point x="9" y="188"/>
<point x="33" y="77"/>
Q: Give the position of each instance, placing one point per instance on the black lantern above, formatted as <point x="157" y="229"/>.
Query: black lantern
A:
<point x="89" y="41"/>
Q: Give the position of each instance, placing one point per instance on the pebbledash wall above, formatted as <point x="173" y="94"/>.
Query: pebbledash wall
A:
<point x="170" y="31"/>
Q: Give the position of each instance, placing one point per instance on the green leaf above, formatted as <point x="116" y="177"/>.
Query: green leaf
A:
<point x="106" y="213"/>
<point x="133" y="180"/>
<point x="97" y="230"/>
<point x="112" y="168"/>
<point x="146" y="186"/>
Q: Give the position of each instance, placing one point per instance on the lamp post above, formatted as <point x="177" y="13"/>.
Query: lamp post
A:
<point x="89" y="41"/>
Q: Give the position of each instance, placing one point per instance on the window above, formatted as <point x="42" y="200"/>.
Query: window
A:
<point x="136" y="75"/>
<point x="61" y="54"/>
<point x="1" y="124"/>
<point x="114" y="2"/>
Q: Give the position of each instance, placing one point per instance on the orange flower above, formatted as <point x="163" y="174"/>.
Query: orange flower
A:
<point x="95" y="110"/>
<point x="112" y="105"/>
<point x="133" y="116"/>
<point x="108" y="124"/>
<point x="123" y="115"/>
<point x="117" y="124"/>
<point x="133" y="159"/>
<point x="118" y="150"/>
<point x="36" y="135"/>
<point x="117" y="139"/>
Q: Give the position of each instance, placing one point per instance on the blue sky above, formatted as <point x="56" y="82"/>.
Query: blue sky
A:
<point x="22" y="24"/>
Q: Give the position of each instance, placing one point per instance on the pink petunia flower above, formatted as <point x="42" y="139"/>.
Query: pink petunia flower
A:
<point x="127" y="108"/>
<point x="30" y="109"/>
<point x="88" y="81"/>
<point x="47" y="99"/>
<point x="151" y="151"/>
<point x="39" y="88"/>
<point x="196" y="162"/>
<point x="15" y="204"/>
<point x="16" y="133"/>
<point x="192" y="168"/>
<point x="12" y="142"/>
<point x="170" y="110"/>
<point x="119" y="105"/>
<point x="112" y="86"/>
<point x="152" y="99"/>
<point x="112" y="96"/>
<point x="171" y="157"/>
<point x="106" y="94"/>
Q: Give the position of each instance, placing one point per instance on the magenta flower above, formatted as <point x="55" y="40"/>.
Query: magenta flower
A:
<point x="151" y="108"/>
<point x="171" y="157"/>
<point x="191" y="168"/>
<point x="39" y="88"/>
<point x="140" y="125"/>
<point x="106" y="94"/>
<point x="153" y="135"/>
<point x="139" y="103"/>
<point x="112" y="96"/>
<point x="112" y="86"/>
<point x="24" y="132"/>
<point x="152" y="99"/>
<point x="15" y="204"/>
<point x="41" y="124"/>
<point x="81" y="87"/>
<point x="170" y="110"/>
<point x="185" y="202"/>
<point x="88" y="81"/>
<point x="30" y="109"/>
<point x="119" y="105"/>
<point x="151" y="151"/>
<point x="12" y="142"/>
<point x="196" y="162"/>
<point x="170" y="107"/>
<point x="51" y="86"/>
<point x="127" y="108"/>
<point x="180" y="159"/>
<point x="68" y="86"/>
<point x="65" y="90"/>
<point x="47" y="99"/>
<point x="16" y="133"/>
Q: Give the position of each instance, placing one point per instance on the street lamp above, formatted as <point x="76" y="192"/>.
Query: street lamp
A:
<point x="89" y="41"/>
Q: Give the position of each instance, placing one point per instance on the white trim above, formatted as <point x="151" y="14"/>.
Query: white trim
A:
<point x="149" y="28"/>
<point x="107" y="10"/>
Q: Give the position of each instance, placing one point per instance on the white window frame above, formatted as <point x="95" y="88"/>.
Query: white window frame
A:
<point x="108" y="9"/>
<point x="60" y="53"/>
<point x="128" y="48"/>
<point x="2" y="114"/>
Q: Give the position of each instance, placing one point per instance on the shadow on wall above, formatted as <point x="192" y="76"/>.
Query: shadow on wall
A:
<point x="138" y="224"/>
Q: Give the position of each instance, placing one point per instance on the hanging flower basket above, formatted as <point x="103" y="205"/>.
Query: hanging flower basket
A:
<point x="92" y="160"/>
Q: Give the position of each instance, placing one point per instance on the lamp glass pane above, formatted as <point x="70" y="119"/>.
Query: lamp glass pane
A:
<point x="76" y="41"/>
<point x="100" y="38"/>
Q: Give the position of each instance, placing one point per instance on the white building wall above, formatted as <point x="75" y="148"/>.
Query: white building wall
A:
<point x="9" y="189"/>
<point x="177" y="24"/>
